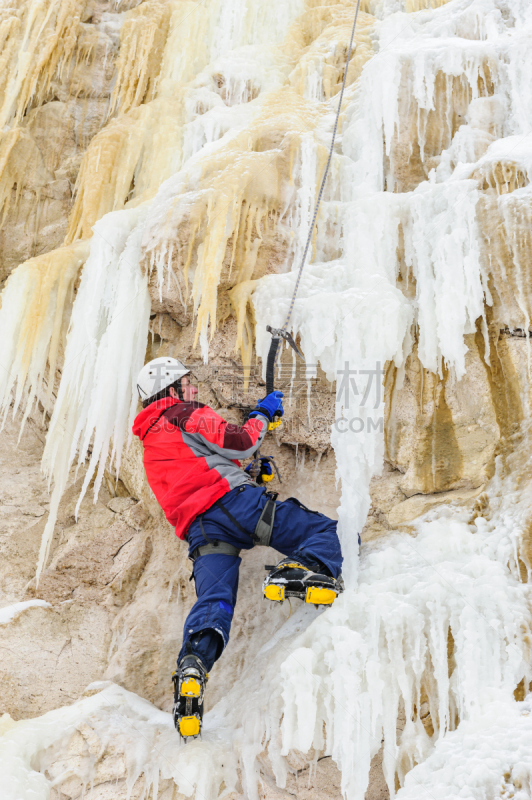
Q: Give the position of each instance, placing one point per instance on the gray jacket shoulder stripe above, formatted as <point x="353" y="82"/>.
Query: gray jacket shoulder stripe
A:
<point x="223" y="465"/>
<point x="196" y="441"/>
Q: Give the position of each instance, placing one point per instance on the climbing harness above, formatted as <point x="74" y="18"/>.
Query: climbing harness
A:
<point x="263" y="531"/>
<point x="215" y="548"/>
<point x="261" y="535"/>
<point x="278" y="333"/>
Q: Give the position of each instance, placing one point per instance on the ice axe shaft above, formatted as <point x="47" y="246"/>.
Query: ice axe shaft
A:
<point x="277" y="335"/>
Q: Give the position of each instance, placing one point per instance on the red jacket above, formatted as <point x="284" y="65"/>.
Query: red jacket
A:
<point x="190" y="455"/>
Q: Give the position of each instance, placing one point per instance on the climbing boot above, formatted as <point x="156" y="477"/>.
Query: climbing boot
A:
<point x="189" y="687"/>
<point x="290" y="578"/>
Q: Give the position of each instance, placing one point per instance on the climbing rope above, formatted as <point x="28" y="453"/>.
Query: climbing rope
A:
<point x="318" y="201"/>
<point x="277" y="334"/>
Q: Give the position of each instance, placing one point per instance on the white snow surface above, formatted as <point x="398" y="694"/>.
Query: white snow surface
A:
<point x="489" y="757"/>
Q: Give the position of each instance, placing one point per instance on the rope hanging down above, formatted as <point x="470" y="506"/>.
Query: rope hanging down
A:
<point x="318" y="201"/>
<point x="282" y="333"/>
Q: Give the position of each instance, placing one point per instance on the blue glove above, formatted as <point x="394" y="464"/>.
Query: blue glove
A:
<point x="265" y="470"/>
<point x="269" y="406"/>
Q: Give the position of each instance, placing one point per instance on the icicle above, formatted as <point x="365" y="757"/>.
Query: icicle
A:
<point x="38" y="40"/>
<point x="127" y="160"/>
<point x="319" y="73"/>
<point x="234" y="178"/>
<point x="142" y="40"/>
<point x="17" y="149"/>
<point x="442" y="245"/>
<point x="105" y="350"/>
<point x="240" y="298"/>
<point x="36" y="306"/>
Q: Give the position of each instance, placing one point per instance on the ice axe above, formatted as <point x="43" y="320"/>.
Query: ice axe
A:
<point x="277" y="335"/>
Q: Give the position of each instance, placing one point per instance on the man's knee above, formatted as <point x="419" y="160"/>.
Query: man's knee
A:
<point x="302" y="523"/>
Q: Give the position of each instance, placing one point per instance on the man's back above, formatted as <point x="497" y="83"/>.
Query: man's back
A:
<point x="191" y="456"/>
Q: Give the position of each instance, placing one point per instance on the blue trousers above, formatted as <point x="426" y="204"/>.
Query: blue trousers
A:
<point x="305" y="535"/>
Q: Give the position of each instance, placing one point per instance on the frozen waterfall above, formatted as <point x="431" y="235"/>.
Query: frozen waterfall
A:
<point x="400" y="264"/>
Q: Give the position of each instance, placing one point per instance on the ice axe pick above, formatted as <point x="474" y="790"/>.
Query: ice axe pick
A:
<point x="277" y="335"/>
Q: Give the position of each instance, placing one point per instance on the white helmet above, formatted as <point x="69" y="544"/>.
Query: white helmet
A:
<point x="156" y="375"/>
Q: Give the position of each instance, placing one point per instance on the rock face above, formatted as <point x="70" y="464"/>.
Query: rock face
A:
<point x="51" y="128"/>
<point x="97" y="124"/>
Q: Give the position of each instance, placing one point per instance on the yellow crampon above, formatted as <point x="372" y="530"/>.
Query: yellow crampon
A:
<point x="189" y="726"/>
<point x="190" y="687"/>
<point x="273" y="592"/>
<point x="315" y="595"/>
<point x="320" y="596"/>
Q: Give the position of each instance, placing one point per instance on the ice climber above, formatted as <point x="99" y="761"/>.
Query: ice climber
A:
<point x="191" y="458"/>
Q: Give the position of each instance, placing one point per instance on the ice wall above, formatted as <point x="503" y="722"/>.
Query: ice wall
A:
<point x="388" y="651"/>
<point x="464" y="766"/>
<point x="210" y="150"/>
<point x="430" y="74"/>
<point x="114" y="717"/>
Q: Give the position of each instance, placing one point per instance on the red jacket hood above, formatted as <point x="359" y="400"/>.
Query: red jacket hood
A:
<point x="151" y="414"/>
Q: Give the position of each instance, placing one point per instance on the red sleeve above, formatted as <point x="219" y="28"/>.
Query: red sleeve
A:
<point x="225" y="438"/>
